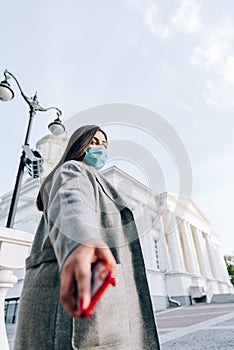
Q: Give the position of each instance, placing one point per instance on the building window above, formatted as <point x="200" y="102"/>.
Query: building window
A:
<point x="156" y="254"/>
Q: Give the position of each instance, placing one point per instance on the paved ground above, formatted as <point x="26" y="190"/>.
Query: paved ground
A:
<point x="197" y="327"/>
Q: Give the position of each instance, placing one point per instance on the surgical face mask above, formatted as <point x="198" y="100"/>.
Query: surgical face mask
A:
<point x="96" y="156"/>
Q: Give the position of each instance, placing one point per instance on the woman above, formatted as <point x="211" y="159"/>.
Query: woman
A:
<point x="84" y="219"/>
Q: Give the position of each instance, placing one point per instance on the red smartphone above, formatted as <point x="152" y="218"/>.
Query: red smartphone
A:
<point x="102" y="277"/>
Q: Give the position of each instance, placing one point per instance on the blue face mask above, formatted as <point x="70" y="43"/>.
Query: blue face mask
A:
<point x="96" y="156"/>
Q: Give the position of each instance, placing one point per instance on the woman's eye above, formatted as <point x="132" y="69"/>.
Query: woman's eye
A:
<point x="96" y="143"/>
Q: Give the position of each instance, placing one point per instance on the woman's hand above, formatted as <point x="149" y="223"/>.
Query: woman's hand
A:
<point x="75" y="276"/>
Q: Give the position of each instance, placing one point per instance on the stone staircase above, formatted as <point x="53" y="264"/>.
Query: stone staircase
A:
<point x="222" y="298"/>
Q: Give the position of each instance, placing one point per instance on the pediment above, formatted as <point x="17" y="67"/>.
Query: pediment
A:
<point x="185" y="208"/>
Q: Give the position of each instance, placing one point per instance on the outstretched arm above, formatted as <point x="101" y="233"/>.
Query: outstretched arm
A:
<point x="74" y="232"/>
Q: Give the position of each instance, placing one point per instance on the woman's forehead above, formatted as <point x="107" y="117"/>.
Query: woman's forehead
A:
<point x="99" y="135"/>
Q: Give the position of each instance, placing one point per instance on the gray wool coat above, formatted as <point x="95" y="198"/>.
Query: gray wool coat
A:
<point x="80" y="204"/>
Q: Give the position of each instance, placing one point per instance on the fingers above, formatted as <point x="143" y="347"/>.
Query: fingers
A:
<point x="75" y="285"/>
<point x="68" y="292"/>
<point x="106" y="255"/>
<point x="101" y="251"/>
<point x="83" y="280"/>
<point x="75" y="280"/>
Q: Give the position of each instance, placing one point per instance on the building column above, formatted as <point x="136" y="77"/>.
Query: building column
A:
<point x="202" y="254"/>
<point x="222" y="266"/>
<point x="164" y="251"/>
<point x="143" y="223"/>
<point x="214" y="263"/>
<point x="190" y="249"/>
<point x="173" y="238"/>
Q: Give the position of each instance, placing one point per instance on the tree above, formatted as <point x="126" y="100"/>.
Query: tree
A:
<point x="229" y="260"/>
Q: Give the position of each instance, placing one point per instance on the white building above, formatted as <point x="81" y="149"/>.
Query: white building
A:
<point x="182" y="256"/>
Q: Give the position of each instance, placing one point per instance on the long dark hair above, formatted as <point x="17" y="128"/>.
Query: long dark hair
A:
<point x="75" y="150"/>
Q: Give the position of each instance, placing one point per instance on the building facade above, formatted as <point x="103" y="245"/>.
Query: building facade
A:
<point x="182" y="255"/>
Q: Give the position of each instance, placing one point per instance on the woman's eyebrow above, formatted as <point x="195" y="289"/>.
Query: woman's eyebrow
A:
<point x="96" y="139"/>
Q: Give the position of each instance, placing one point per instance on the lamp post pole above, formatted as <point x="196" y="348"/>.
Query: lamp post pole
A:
<point x="20" y="173"/>
<point x="6" y="94"/>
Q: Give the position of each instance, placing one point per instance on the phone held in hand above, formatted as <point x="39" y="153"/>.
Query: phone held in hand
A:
<point x="102" y="277"/>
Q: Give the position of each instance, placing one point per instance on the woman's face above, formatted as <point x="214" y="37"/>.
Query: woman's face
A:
<point x="96" y="155"/>
<point x="99" y="139"/>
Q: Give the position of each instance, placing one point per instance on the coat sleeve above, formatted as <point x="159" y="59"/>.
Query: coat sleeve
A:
<point x="71" y="211"/>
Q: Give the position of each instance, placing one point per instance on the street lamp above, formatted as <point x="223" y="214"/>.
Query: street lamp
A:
<point x="56" y="128"/>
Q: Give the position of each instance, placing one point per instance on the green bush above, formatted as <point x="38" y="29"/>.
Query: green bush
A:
<point x="229" y="260"/>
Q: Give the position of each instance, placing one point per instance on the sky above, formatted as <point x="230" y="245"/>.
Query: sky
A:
<point x="173" y="57"/>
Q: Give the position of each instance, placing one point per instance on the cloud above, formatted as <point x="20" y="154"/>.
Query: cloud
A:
<point x="216" y="47"/>
<point x="228" y="70"/>
<point x="216" y="55"/>
<point x="218" y="93"/>
<point x="185" y="17"/>
<point x="152" y="21"/>
<point x="182" y="105"/>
